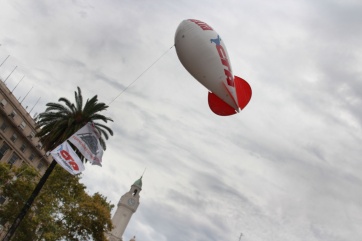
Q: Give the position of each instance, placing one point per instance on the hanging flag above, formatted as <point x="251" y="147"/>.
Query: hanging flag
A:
<point x="67" y="158"/>
<point x="87" y="142"/>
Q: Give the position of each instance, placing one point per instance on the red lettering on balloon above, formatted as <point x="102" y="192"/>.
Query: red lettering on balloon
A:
<point x="229" y="77"/>
<point x="225" y="62"/>
<point x="202" y="25"/>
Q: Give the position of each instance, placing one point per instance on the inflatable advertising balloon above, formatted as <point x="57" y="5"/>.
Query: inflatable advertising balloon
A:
<point x="203" y="54"/>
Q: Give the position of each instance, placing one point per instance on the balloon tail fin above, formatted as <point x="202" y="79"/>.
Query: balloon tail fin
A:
<point x="243" y="91"/>
<point x="219" y="107"/>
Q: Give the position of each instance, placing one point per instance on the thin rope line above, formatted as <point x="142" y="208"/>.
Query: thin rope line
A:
<point x="141" y="75"/>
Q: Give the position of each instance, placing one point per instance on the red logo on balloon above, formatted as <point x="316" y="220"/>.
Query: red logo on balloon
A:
<point x="224" y="60"/>
<point x="201" y="24"/>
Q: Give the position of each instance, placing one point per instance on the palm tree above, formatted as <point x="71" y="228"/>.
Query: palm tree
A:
<point x="57" y="123"/>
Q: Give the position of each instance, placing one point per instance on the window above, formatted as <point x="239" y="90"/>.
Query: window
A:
<point x="3" y="126"/>
<point x="13" y="114"/>
<point x="134" y="192"/>
<point x="3" y="103"/>
<point x="3" y="150"/>
<point x="32" y="156"/>
<point x="13" y="159"/>
<point x="14" y="137"/>
<point x="31" y="135"/>
<point x="23" y="148"/>
<point x="22" y="125"/>
<point x="40" y="165"/>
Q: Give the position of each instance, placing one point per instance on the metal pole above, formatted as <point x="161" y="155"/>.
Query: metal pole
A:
<point x="26" y="95"/>
<point x="34" y="105"/>
<point x="17" y="84"/>
<point x="10" y="74"/>
<point x="4" y="60"/>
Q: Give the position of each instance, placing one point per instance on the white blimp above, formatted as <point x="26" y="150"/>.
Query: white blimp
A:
<point x="203" y="54"/>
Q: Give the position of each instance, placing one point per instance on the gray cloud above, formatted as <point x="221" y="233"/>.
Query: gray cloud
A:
<point x="285" y="168"/>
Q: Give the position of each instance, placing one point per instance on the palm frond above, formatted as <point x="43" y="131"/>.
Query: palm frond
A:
<point x="79" y="99"/>
<point x="69" y="104"/>
<point x="101" y="126"/>
<point x="61" y="120"/>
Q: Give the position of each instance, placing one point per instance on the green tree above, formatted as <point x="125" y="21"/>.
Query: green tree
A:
<point x="56" y="124"/>
<point x="17" y="184"/>
<point x="62" y="211"/>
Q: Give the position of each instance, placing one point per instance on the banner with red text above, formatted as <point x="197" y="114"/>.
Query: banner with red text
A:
<point x="67" y="158"/>
<point x="86" y="140"/>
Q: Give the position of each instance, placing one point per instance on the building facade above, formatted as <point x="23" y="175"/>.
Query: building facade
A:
<point x="18" y="144"/>
<point x="126" y="207"/>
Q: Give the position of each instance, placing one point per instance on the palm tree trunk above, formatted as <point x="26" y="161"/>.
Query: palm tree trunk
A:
<point x="29" y="202"/>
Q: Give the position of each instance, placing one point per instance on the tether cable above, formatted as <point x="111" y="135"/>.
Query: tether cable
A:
<point x="141" y="75"/>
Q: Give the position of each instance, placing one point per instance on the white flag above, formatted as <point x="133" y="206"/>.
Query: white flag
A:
<point x="87" y="142"/>
<point x="67" y="158"/>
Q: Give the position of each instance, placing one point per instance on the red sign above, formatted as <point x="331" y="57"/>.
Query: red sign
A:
<point x="70" y="160"/>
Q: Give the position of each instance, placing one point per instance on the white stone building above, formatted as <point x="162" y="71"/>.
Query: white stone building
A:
<point x="126" y="207"/>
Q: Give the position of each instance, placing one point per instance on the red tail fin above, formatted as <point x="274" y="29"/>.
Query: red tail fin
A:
<point x="219" y="107"/>
<point x="243" y="91"/>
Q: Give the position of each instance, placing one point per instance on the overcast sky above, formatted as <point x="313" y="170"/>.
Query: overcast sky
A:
<point x="288" y="167"/>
